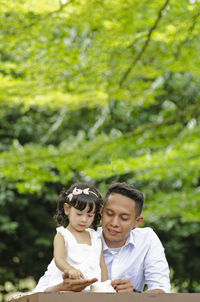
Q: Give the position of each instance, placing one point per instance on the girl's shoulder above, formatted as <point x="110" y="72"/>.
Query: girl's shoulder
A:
<point x="93" y="233"/>
<point x="96" y="240"/>
<point x="63" y="231"/>
<point x="60" y="229"/>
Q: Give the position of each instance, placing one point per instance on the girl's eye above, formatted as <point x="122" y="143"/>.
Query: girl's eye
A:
<point x="109" y="213"/>
<point x="90" y="215"/>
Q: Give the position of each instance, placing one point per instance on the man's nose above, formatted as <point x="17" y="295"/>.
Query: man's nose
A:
<point x="115" y="221"/>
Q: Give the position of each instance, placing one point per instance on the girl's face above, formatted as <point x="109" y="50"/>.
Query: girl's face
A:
<point x="79" y="220"/>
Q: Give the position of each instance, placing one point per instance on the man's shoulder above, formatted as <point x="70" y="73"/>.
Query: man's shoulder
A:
<point x="145" y="237"/>
<point x="141" y="231"/>
<point x="139" y="234"/>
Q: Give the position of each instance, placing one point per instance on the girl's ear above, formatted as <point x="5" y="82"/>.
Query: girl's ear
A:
<point x="66" y="208"/>
<point x="101" y="209"/>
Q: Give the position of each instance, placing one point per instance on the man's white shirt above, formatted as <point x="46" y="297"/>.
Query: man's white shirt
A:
<point x="141" y="260"/>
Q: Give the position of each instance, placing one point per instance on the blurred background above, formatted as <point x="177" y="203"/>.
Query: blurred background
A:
<point x="98" y="91"/>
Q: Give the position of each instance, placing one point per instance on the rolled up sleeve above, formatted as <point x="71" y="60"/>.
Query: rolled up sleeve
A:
<point x="156" y="269"/>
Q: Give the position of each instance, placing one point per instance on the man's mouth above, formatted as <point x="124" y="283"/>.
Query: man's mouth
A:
<point x="113" y="232"/>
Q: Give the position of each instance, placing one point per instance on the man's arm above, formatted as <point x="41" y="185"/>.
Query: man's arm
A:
<point x="125" y="285"/>
<point x="156" y="269"/>
<point x="76" y="285"/>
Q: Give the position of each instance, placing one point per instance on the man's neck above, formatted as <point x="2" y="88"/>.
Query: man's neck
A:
<point x="114" y="244"/>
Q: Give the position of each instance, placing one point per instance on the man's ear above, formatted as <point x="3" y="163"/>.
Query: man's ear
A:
<point x="139" y="220"/>
<point x="66" y="208"/>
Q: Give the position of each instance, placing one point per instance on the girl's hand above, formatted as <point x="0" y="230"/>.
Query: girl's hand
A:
<point x="75" y="274"/>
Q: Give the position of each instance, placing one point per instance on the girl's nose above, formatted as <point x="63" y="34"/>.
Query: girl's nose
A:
<point x="83" y="218"/>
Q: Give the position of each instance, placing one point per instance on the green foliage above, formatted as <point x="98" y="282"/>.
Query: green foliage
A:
<point x="178" y="236"/>
<point x="98" y="91"/>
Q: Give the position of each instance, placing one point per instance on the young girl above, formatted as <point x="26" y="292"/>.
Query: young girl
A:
<point x="77" y="248"/>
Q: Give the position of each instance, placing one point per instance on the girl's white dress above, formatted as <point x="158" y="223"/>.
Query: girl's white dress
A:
<point x="84" y="257"/>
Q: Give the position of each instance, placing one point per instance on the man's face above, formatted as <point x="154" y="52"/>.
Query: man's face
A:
<point x="118" y="219"/>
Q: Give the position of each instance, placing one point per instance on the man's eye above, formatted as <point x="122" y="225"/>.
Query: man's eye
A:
<point x="124" y="218"/>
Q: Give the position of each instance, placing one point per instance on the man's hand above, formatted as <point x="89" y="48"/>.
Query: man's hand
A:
<point x="122" y="285"/>
<point x="76" y="285"/>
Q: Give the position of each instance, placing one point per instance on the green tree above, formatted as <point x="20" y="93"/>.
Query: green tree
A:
<point x="98" y="91"/>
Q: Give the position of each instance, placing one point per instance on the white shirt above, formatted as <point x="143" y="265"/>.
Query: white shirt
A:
<point x="141" y="260"/>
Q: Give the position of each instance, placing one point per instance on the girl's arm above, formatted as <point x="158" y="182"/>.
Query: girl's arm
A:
<point x="59" y="258"/>
<point x="104" y="272"/>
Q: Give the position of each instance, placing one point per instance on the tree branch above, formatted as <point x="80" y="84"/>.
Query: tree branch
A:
<point x="61" y="7"/>
<point x="138" y="57"/>
<point x="168" y="120"/>
<point x="176" y="116"/>
<point x="55" y="126"/>
<point x="190" y="30"/>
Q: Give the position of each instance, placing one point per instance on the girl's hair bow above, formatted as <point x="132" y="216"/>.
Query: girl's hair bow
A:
<point x="80" y="191"/>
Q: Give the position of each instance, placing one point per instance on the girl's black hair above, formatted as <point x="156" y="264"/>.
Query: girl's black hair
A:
<point x="79" y="202"/>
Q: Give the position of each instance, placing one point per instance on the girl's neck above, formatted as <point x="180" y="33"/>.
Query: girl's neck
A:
<point x="82" y="237"/>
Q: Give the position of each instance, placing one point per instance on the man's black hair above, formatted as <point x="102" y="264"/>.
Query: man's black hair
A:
<point x="127" y="190"/>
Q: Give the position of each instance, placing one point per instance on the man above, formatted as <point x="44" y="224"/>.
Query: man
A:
<point x="134" y="256"/>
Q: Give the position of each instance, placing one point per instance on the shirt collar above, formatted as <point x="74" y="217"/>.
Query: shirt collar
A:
<point x="130" y="240"/>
